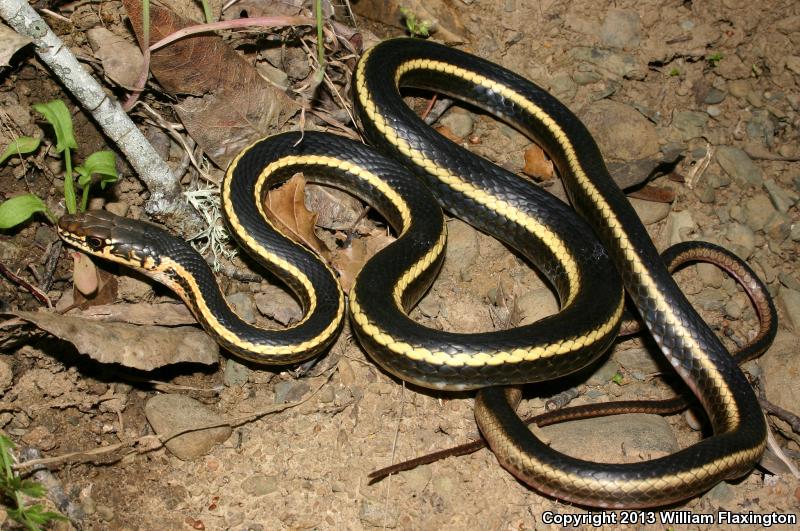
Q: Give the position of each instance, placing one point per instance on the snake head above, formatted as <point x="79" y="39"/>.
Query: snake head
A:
<point x="103" y="234"/>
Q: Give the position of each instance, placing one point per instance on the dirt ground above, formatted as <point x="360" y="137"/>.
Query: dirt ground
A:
<point x="717" y="82"/>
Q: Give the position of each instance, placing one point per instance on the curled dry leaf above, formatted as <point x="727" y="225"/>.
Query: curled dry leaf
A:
<point x="92" y="286"/>
<point x="139" y="347"/>
<point x="84" y="275"/>
<point x="537" y="164"/>
<point x="349" y="261"/>
<point x="166" y="314"/>
<point x="286" y="208"/>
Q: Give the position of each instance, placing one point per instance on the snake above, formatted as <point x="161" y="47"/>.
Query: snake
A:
<point x="591" y="260"/>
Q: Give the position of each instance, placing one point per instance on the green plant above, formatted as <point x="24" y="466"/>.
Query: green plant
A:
<point x="13" y="489"/>
<point x="417" y="27"/>
<point x="617" y="378"/>
<point x="20" y="208"/>
<point x="674" y="72"/>
<point x="714" y="59"/>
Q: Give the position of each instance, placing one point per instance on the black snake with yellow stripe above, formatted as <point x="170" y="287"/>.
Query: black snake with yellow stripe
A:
<point x="534" y="223"/>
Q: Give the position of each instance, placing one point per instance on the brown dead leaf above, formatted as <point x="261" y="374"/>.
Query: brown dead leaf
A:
<point x="140" y="347"/>
<point x="657" y="194"/>
<point x="84" y="274"/>
<point x="166" y="314"/>
<point x="537" y="164"/>
<point x="285" y="207"/>
<point x="230" y="105"/>
<point x="349" y="261"/>
<point x="336" y="210"/>
<point x="10" y="42"/>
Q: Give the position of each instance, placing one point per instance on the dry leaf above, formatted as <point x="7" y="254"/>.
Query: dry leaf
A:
<point x="537" y="165"/>
<point x="92" y="286"/>
<point x="230" y="104"/>
<point x="285" y="206"/>
<point x="139" y="347"/>
<point x="349" y="261"/>
<point x="166" y="314"/>
<point x="336" y="209"/>
<point x="10" y="42"/>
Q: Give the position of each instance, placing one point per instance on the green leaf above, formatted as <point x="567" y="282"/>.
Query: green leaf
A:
<point x="20" y="146"/>
<point x="32" y="489"/>
<point x="57" y="114"/>
<point x="102" y="163"/>
<point x="19" y="209"/>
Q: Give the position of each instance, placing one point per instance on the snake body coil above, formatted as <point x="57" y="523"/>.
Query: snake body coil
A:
<point x="584" y="273"/>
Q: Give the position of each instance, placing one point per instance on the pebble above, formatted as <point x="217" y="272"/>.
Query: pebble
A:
<point x="780" y="369"/>
<point x="6" y="376"/>
<point x="462" y="248"/>
<point x="105" y="512"/>
<point x="535" y="304"/>
<point x="459" y="121"/>
<point x="277" y="304"/>
<point x="562" y="86"/>
<point x="170" y="412"/>
<point x="243" y="305"/>
<point x="235" y="374"/>
<point x="586" y="77"/>
<point x="694" y="423"/>
<point x="604" y="373"/>
<point x="789" y="281"/>
<point x="649" y="211"/>
<point x="689" y="124"/>
<point x="680" y="225"/>
<point x="615" y="64"/>
<point x="742" y="239"/>
<point x="713" y="111"/>
<point x="790" y="300"/>
<point x="290" y="391"/>
<point x="610" y="439"/>
<point x="778" y="228"/>
<point x="739" y="88"/>
<point x="779" y="197"/>
<point x="721" y="495"/>
<point x="758" y="211"/>
<point x="738" y="165"/>
<point x="620" y="29"/>
<point x="714" y="96"/>
<point x="260" y="485"/>
<point x="733" y="309"/>
<point x="117" y="207"/>
<point x="377" y="513"/>
<point x="793" y="64"/>
<point x="638" y="361"/>
<point x="622" y="132"/>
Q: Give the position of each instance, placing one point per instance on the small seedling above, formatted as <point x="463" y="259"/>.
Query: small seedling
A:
<point x="714" y="59"/>
<point x="674" y="72"/>
<point x="20" y="208"/>
<point x="617" y="378"/>
<point x="416" y="27"/>
<point x="14" y="489"/>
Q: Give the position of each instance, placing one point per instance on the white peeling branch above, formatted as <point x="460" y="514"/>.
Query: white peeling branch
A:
<point x="165" y="190"/>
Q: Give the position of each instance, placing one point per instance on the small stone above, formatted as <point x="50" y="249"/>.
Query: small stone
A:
<point x="739" y="166"/>
<point x="637" y="360"/>
<point x="649" y="211"/>
<point x="779" y="197"/>
<point x="692" y="421"/>
<point x="710" y="275"/>
<point x="690" y="124"/>
<point x="243" y="305"/>
<point x="739" y="88"/>
<point x="586" y="77"/>
<point x="742" y="239"/>
<point x="622" y="132"/>
<point x="793" y="64"/>
<point x="169" y="412"/>
<point x="276" y="304"/>
<point x="790" y="300"/>
<point x="6" y="376"/>
<point x="758" y="211"/>
<point x="778" y="228"/>
<point x="119" y="208"/>
<point x="789" y="281"/>
<point x="680" y="226"/>
<point x="235" y="373"/>
<point x="620" y="29"/>
<point x="721" y="495"/>
<point x="705" y="192"/>
<point x="260" y="485"/>
<point x="604" y="373"/>
<point x="536" y="304"/>
<point x="711" y="299"/>
<point x="462" y="247"/>
<point x="377" y="513"/>
<point x="714" y="96"/>
<point x="459" y="121"/>
<point x="733" y="309"/>
<point x="290" y="391"/>
<point x="562" y="86"/>
<point x="713" y="111"/>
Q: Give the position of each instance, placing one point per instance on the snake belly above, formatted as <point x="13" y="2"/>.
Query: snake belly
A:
<point x="478" y="187"/>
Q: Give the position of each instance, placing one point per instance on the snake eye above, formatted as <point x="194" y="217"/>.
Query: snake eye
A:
<point x="94" y="243"/>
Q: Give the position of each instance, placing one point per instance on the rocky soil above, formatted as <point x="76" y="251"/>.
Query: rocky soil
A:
<point x="711" y="87"/>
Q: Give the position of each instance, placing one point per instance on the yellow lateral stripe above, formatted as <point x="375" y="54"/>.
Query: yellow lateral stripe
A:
<point x="574" y="163"/>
